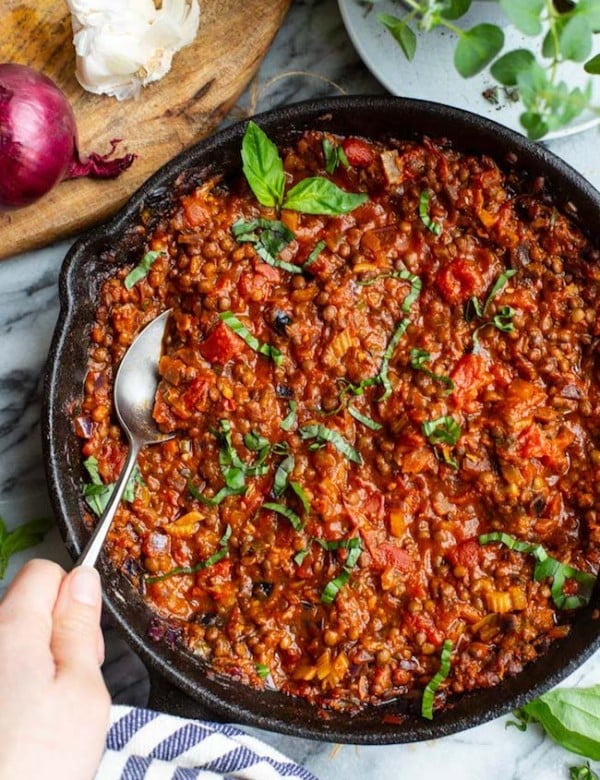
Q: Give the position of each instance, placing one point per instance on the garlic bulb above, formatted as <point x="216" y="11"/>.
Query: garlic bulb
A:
<point x="123" y="46"/>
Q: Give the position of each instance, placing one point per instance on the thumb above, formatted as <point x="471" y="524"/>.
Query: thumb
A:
<point x="76" y="641"/>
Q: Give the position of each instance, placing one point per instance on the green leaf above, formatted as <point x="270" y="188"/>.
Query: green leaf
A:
<point x="221" y="553"/>
<point x="299" y="491"/>
<point x="262" y="670"/>
<point x="354" y="547"/>
<point x="455" y="9"/>
<point x="319" y="247"/>
<point x="535" y="124"/>
<point x="323" y="434"/>
<point x="362" y="418"/>
<point x="316" y="195"/>
<point x="418" y="358"/>
<point x="434" y="227"/>
<point x="401" y="33"/>
<point x="97" y="494"/>
<point x="255" y="442"/>
<point x="525" y="14"/>
<point x="20" y="538"/>
<point x="476" y="48"/>
<point x="289" y="420"/>
<point x="388" y="355"/>
<point x="590" y="9"/>
<point x="506" y="68"/>
<point x="262" y="166"/>
<point x="593" y="66"/>
<point x="242" y="331"/>
<point x="285" y="511"/>
<point x="576" y="39"/>
<point x="334" y="156"/>
<point x="141" y="271"/>
<point x="269" y="237"/>
<point x="571" y="716"/>
<point x="435" y="682"/>
<point x="443" y="430"/>
<point x="582" y="772"/>
<point x="282" y="474"/>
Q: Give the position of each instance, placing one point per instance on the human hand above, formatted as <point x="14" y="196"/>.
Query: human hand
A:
<point x="53" y="705"/>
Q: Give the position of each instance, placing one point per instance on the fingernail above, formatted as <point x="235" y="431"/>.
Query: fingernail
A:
<point x="85" y="586"/>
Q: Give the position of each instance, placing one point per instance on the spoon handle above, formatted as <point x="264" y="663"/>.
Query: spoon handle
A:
<point x="92" y="549"/>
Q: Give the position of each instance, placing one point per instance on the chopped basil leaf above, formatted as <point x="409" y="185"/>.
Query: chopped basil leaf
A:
<point x="294" y="519"/>
<point x="334" y="156"/>
<point x="434" y="227"/>
<point x="300" y="556"/>
<point x="221" y="553"/>
<point x="280" y="448"/>
<point x="217" y="498"/>
<point x="282" y="474"/>
<point x="416" y="285"/>
<point x="256" y="443"/>
<point x="289" y="420"/>
<point x="323" y="434"/>
<point x="242" y="331"/>
<point x="362" y="418"/>
<point x="432" y="686"/>
<point x="97" y="494"/>
<point x="316" y="195"/>
<point x="548" y="567"/>
<point x="388" y="355"/>
<point x="299" y="491"/>
<point x="262" y="670"/>
<point x="497" y="287"/>
<point x="20" y="538"/>
<point x="502" y="320"/>
<point x="141" y="271"/>
<point x="314" y="254"/>
<point x="444" y="430"/>
<point x="269" y="237"/>
<point x="354" y="547"/>
<point x="262" y="166"/>
<point x="418" y="358"/>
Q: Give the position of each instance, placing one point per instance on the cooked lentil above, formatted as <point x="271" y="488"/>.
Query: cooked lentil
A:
<point x="525" y="400"/>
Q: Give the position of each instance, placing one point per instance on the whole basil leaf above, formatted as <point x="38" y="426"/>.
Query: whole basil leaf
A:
<point x="476" y="48"/>
<point x="571" y="716"/>
<point x="20" y="538"/>
<point x="317" y="195"/>
<point x="455" y="9"/>
<point x="401" y="33"/>
<point x="525" y="14"/>
<point x="262" y="166"/>
<point x="591" y="10"/>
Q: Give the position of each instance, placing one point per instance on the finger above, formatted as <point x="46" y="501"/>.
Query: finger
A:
<point x="26" y="610"/>
<point x="76" y="625"/>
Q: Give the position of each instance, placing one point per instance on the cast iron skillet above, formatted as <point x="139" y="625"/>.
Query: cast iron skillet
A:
<point x="182" y="683"/>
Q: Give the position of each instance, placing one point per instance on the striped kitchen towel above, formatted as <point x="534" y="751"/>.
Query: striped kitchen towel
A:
<point x="146" y="745"/>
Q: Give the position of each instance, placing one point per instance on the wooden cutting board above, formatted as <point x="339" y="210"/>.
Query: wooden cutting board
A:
<point x="205" y="80"/>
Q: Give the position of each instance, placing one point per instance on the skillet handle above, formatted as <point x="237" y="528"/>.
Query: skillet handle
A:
<point x="165" y="697"/>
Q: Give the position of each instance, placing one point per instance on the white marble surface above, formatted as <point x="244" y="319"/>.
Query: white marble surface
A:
<point x="312" y="39"/>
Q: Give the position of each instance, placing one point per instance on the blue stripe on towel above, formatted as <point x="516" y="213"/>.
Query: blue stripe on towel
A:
<point x="181" y="740"/>
<point x="135" y="768"/>
<point x="125" y="728"/>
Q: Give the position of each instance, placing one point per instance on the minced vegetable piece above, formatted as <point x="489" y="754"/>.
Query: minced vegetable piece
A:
<point x="522" y="405"/>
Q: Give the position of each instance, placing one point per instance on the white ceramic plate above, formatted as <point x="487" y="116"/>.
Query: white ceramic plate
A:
<point x="431" y="75"/>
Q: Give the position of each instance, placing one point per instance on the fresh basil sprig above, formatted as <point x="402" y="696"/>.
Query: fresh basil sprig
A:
<point x="141" y="271"/>
<point x="20" y="538"/>
<point x="582" y="772"/>
<point x="222" y="552"/>
<point x="548" y="567"/>
<point x="435" y="682"/>
<point x="263" y="169"/>
<point x="570" y="716"/>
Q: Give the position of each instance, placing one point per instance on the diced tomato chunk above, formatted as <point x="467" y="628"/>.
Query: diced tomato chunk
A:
<point x="221" y="346"/>
<point x="465" y="554"/>
<point x="196" y="394"/>
<point x="360" y="154"/>
<point x="459" y="280"/>
<point x="389" y="554"/>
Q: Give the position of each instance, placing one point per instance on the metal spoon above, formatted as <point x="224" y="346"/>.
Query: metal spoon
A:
<point x="134" y="391"/>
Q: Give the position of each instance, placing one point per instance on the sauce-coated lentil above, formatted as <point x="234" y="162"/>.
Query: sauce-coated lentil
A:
<point x="525" y="398"/>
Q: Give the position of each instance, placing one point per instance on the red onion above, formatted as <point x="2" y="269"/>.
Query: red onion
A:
<point x="38" y="139"/>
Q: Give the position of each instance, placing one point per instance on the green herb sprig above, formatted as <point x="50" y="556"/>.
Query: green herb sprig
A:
<point x="263" y="169"/>
<point x="20" y="538"/>
<point x="432" y="686"/>
<point x="548" y="567"/>
<point x="566" y="34"/>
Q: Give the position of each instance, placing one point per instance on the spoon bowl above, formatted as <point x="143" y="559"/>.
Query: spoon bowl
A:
<point x="135" y="387"/>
